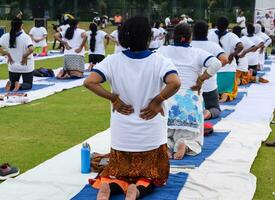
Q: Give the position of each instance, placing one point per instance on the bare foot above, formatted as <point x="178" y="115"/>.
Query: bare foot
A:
<point x="223" y="98"/>
<point x="132" y="192"/>
<point x="16" y="86"/>
<point x="262" y="80"/>
<point x="61" y="74"/>
<point x="181" y="152"/>
<point x="8" y="86"/>
<point x="104" y="192"/>
<point x="169" y="154"/>
<point x="207" y="114"/>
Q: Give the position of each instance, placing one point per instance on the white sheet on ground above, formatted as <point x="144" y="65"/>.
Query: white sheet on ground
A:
<point x="223" y="175"/>
<point x="52" y="86"/>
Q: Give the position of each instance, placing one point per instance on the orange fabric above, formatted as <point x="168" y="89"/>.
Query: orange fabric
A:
<point x="123" y="184"/>
<point x="143" y="182"/>
<point x="234" y="93"/>
<point x="243" y="78"/>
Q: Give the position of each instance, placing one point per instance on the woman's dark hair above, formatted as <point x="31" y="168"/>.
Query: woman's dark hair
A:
<point x="93" y="29"/>
<point x="70" y="31"/>
<point x="182" y="33"/>
<point x="250" y="29"/>
<point x="38" y="23"/>
<point x="263" y="28"/>
<point x="135" y="33"/>
<point x="157" y="24"/>
<point x="200" y="30"/>
<point x="16" y="24"/>
<point x="237" y="30"/>
<point x="222" y="24"/>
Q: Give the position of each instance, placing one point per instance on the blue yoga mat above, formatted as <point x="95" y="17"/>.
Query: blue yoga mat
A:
<point x="237" y="100"/>
<point x="34" y="87"/>
<point x="268" y="62"/>
<point x="267" y="69"/>
<point x="211" y="144"/>
<point x="223" y="114"/>
<point x="170" y="191"/>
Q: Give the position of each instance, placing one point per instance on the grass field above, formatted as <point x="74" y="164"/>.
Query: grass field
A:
<point x="35" y="132"/>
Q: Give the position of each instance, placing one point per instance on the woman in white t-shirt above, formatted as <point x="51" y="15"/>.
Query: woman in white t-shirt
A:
<point x="114" y="38"/>
<point x="243" y="75"/>
<point x="241" y="20"/>
<point x="38" y="35"/>
<point x="156" y="36"/>
<point x="96" y="44"/>
<point x="267" y="41"/>
<point x="232" y="46"/>
<point x="18" y="47"/>
<point x="74" y="40"/>
<point x="209" y="88"/>
<point x="185" y="120"/>
<point x="141" y="81"/>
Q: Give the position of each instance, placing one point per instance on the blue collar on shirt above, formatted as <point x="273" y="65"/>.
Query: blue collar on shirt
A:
<point x="19" y="33"/>
<point x="220" y="34"/>
<point x="200" y="39"/>
<point x="182" y="44"/>
<point x="138" y="54"/>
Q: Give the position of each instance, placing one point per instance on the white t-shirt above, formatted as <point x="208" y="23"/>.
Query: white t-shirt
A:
<point x="137" y="81"/>
<point x="167" y="21"/>
<point x="163" y="32"/>
<point x="64" y="27"/>
<point x="74" y="43"/>
<point x="267" y="41"/>
<point x="253" y="57"/>
<point x="154" y="44"/>
<point x="211" y="47"/>
<point x="38" y="33"/>
<point x="23" y="41"/>
<point x="118" y="47"/>
<point x="99" y="42"/>
<point x="189" y="62"/>
<point x="241" y="21"/>
<point x="243" y="62"/>
<point x="229" y="41"/>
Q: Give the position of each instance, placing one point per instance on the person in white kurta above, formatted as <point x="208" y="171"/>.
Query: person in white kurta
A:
<point x="185" y="121"/>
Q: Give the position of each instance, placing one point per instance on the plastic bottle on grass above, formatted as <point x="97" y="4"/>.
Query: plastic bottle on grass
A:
<point x="85" y="158"/>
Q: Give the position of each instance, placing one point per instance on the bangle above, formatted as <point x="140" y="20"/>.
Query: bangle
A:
<point x="199" y="79"/>
<point x="161" y="97"/>
<point x="116" y="100"/>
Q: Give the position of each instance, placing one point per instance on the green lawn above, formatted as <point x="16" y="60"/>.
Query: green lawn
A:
<point x="35" y="132"/>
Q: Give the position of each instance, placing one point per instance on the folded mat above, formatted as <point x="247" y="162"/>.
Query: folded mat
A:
<point x="169" y="191"/>
<point x="210" y="145"/>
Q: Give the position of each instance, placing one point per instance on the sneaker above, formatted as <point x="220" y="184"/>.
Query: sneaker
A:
<point x="7" y="171"/>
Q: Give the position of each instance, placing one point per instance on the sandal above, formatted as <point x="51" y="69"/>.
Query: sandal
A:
<point x="270" y="143"/>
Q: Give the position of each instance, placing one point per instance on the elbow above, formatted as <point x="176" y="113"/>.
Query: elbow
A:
<point x="224" y="61"/>
<point x="176" y="85"/>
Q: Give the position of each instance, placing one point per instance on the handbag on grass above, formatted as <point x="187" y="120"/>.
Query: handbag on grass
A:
<point x="99" y="161"/>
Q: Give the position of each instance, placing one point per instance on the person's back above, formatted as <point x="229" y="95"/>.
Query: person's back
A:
<point x="38" y="33"/>
<point x="137" y="78"/>
<point x="188" y="60"/>
<point x="23" y="41"/>
<point x="74" y="43"/>
<point x="99" y="44"/>
<point x="215" y="50"/>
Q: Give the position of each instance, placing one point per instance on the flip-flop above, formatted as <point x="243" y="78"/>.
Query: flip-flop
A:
<point x="270" y="143"/>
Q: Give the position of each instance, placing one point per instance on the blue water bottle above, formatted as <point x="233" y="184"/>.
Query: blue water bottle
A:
<point x="85" y="158"/>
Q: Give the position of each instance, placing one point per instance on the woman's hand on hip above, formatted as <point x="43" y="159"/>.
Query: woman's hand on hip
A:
<point x="121" y="107"/>
<point x="152" y="110"/>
